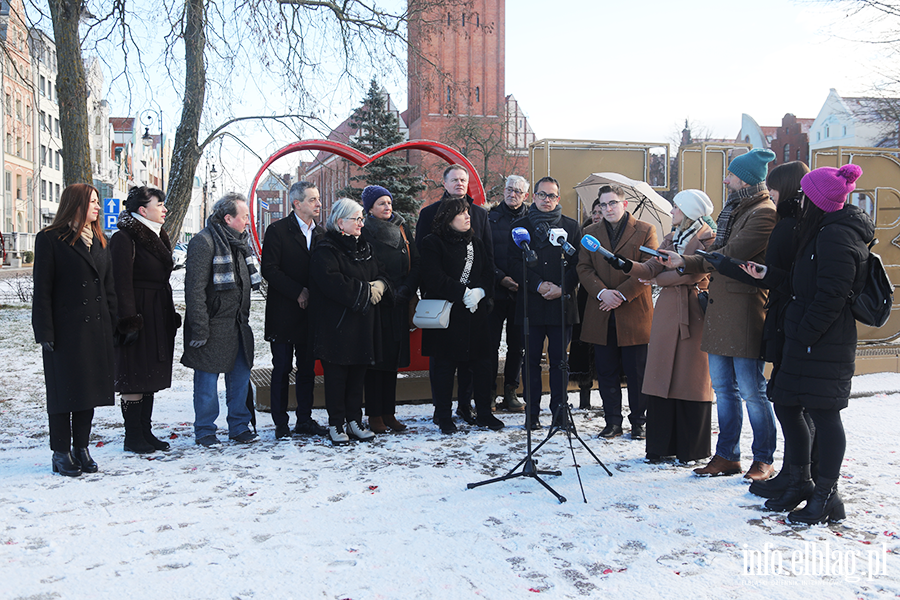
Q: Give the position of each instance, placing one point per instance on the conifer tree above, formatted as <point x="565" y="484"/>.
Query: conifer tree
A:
<point x="376" y="129"/>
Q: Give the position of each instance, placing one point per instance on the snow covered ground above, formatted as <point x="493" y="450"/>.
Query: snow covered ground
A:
<point x="394" y="519"/>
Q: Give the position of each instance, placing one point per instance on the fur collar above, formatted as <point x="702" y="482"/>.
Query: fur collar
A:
<point x="157" y="245"/>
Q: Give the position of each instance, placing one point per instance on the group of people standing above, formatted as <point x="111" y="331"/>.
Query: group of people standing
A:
<point x="768" y="280"/>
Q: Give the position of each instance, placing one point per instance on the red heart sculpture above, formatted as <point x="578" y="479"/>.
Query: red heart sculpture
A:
<point x="476" y="189"/>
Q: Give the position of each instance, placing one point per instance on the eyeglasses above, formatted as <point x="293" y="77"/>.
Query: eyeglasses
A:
<point x="546" y="196"/>
<point x="359" y="220"/>
<point x="515" y="191"/>
<point x="610" y="205"/>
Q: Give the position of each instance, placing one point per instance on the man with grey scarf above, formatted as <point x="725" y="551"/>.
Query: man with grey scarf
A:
<point x="219" y="274"/>
<point x="732" y="332"/>
<point x="549" y="283"/>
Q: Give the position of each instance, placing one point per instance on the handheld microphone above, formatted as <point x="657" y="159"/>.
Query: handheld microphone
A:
<point x="521" y="237"/>
<point x="559" y="237"/>
<point x="591" y="244"/>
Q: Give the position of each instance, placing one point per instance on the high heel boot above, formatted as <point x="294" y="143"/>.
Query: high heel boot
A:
<point x="800" y="487"/>
<point x="146" y="418"/>
<point x="83" y="457"/>
<point x="584" y="398"/>
<point x="134" y="437"/>
<point x="64" y="464"/>
<point x="825" y="504"/>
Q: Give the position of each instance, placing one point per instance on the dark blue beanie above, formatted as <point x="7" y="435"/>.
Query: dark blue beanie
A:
<point x="373" y="193"/>
<point x="753" y="166"/>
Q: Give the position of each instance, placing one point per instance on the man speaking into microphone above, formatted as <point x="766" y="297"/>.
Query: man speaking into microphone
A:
<point x="549" y="283"/>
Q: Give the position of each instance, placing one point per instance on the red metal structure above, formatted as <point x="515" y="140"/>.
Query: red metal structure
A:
<point x="476" y="191"/>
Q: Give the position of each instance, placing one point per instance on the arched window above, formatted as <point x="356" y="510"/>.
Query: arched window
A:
<point x="477" y="94"/>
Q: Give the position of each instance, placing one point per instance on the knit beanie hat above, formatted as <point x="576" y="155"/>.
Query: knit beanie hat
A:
<point x="828" y="187"/>
<point x="752" y="167"/>
<point x="693" y="203"/>
<point x="373" y="193"/>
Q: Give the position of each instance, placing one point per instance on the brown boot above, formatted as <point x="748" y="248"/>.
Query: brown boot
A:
<point x="392" y="422"/>
<point x="376" y="425"/>
<point x="759" y="471"/>
<point x="719" y="466"/>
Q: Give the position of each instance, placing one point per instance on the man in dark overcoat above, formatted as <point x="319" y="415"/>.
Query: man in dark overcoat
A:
<point x="548" y="284"/>
<point x="287" y="248"/>
<point x="219" y="273"/>
<point x="501" y="218"/>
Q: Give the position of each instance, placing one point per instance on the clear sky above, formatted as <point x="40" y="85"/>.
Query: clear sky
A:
<point x="633" y="71"/>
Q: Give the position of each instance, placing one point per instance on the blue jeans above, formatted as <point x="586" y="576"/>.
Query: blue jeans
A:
<point x="206" y="399"/>
<point x="734" y="378"/>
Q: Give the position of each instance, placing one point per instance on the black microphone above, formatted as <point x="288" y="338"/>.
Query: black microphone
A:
<point x="521" y="237"/>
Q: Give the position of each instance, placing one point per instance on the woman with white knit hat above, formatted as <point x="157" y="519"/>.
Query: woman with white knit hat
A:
<point x="677" y="384"/>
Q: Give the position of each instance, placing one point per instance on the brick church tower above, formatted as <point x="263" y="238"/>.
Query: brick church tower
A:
<point x="457" y="77"/>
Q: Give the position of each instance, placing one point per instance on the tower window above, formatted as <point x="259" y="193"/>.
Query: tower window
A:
<point x="477" y="20"/>
<point x="787" y="153"/>
<point x="464" y="20"/>
<point x="448" y="95"/>
<point x="449" y="19"/>
<point x="477" y="94"/>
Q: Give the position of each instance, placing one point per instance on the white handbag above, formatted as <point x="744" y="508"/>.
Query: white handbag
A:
<point x="432" y="314"/>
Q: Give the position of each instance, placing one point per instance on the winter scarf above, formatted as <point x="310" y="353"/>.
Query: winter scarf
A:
<point x="386" y="232"/>
<point x="543" y="221"/>
<point x="726" y="217"/>
<point x="225" y="240"/>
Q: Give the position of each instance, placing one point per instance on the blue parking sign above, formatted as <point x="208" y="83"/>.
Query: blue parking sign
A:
<point x="110" y="212"/>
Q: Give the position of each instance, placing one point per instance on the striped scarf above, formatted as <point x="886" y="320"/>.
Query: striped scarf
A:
<point x="726" y="218"/>
<point x="225" y="240"/>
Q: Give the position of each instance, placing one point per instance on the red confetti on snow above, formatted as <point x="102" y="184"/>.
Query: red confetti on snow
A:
<point x="373" y="487"/>
<point x="99" y="444"/>
<point x="252" y="494"/>
<point x="174" y="436"/>
<point x="865" y="542"/>
<point x="607" y="571"/>
<point x="536" y="591"/>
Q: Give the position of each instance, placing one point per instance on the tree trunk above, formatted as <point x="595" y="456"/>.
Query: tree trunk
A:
<point x="71" y="92"/>
<point x="186" y="152"/>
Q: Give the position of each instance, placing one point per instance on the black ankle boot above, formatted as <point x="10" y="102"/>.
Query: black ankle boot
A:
<point x="800" y="488"/>
<point x="774" y="486"/>
<point x="134" y="437"/>
<point x="585" y="402"/>
<point x="825" y="504"/>
<point x="464" y="412"/>
<point x="146" y="418"/>
<point x="64" y="464"/>
<point x="88" y="465"/>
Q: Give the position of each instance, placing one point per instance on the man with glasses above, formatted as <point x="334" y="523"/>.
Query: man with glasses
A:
<point x="501" y="218"/>
<point x="619" y="311"/>
<point x="456" y="185"/>
<point x="549" y="282"/>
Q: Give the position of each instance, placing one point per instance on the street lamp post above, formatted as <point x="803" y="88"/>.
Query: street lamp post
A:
<point x="209" y="189"/>
<point x="147" y="118"/>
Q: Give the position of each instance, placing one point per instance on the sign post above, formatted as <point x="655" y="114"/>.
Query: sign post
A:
<point x="110" y="213"/>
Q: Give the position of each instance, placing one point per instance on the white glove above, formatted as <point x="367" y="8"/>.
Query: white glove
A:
<point x="377" y="287"/>
<point x="472" y="297"/>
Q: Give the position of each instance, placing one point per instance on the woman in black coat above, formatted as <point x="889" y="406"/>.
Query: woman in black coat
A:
<point x="147" y="321"/>
<point x="347" y="284"/>
<point x="389" y="236"/>
<point x="455" y="267"/>
<point x="74" y="305"/>
<point x="819" y="354"/>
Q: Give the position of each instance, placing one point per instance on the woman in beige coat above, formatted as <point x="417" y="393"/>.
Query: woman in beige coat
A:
<point x="676" y="383"/>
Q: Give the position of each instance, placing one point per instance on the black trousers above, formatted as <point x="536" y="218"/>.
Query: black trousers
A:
<point x="381" y="393"/>
<point x="305" y="381"/>
<point x="505" y="311"/>
<point x="70" y="430"/>
<point x="610" y="360"/>
<point x="442" y="372"/>
<point x="557" y="341"/>
<point x="829" y="431"/>
<point x="464" y="384"/>
<point x="679" y="428"/>
<point x="344" y="386"/>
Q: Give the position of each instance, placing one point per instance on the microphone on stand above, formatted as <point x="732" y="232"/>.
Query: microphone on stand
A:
<point x="521" y="237"/>
<point x="559" y="237"/>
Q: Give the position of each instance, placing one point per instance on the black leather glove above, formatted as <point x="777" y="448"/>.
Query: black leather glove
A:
<point x="716" y="259"/>
<point x="620" y="263"/>
<point x="48" y="346"/>
<point x="130" y="338"/>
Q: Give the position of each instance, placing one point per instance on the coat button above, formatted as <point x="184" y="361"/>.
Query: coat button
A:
<point x="711" y="279"/>
<point x="84" y="284"/>
<point x="710" y="300"/>
<point x="84" y="302"/>
<point x="97" y="281"/>
<point x="98" y="298"/>
<point x="87" y="319"/>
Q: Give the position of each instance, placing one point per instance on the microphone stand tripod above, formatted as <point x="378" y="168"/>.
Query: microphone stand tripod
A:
<point x="528" y="464"/>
